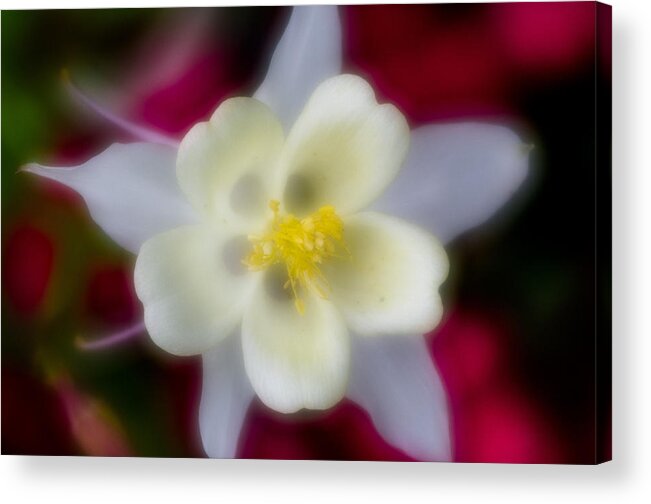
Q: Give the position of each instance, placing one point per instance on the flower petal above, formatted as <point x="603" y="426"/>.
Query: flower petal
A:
<point x="224" y="165"/>
<point x="130" y="189"/>
<point x="395" y="380"/>
<point x="390" y="284"/>
<point x="294" y="360"/>
<point x="140" y="132"/>
<point x="193" y="296"/>
<point x="456" y="177"/>
<point x="344" y="148"/>
<point x="113" y="339"/>
<point x="225" y="398"/>
<point x="308" y="53"/>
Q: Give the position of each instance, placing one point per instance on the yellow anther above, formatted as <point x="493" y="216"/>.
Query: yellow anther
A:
<point x="301" y="245"/>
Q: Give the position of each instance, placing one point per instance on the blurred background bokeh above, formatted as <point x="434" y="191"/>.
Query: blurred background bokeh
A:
<point x="517" y="346"/>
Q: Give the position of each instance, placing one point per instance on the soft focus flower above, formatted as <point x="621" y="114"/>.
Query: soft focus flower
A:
<point x="339" y="156"/>
<point x="375" y="274"/>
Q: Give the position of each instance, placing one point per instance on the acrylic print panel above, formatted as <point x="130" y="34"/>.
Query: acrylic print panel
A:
<point x="357" y="233"/>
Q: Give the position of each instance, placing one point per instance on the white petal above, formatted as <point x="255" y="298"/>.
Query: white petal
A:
<point x="225" y="165"/>
<point x="390" y="284"/>
<point x="396" y="382"/>
<point x="192" y="294"/>
<point x="456" y="177"/>
<point x="130" y="189"/>
<point x="140" y="132"/>
<point x="294" y="361"/>
<point x="113" y="339"/>
<point x="344" y="148"/>
<point x="308" y="53"/>
<point x="225" y="398"/>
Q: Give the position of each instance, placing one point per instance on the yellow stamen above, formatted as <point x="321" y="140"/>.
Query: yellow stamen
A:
<point x="301" y="245"/>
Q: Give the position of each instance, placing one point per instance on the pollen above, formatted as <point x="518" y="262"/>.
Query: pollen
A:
<point x="302" y="246"/>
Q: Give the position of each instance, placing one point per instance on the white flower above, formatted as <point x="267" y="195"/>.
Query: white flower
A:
<point x="315" y="266"/>
<point x="332" y="301"/>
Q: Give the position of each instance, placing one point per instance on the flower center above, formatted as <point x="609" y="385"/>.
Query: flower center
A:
<point x="301" y="245"/>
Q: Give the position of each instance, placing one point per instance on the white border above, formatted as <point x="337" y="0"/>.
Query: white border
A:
<point x="627" y="479"/>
